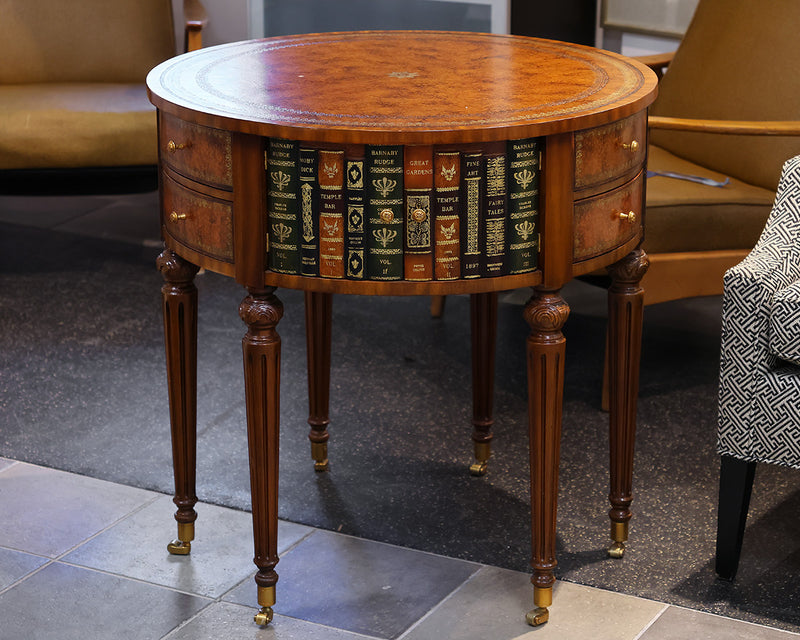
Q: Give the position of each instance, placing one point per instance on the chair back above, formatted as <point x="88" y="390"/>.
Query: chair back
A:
<point x="737" y="61"/>
<point x="86" y="41"/>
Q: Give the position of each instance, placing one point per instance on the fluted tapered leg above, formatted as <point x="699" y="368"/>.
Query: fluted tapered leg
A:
<point x="261" y="348"/>
<point x="483" y="311"/>
<point x="625" y="306"/>
<point x="318" y="352"/>
<point x="179" y="305"/>
<point x="546" y="313"/>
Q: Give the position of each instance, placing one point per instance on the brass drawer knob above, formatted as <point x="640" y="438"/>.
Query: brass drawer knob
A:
<point x="630" y="216"/>
<point x="173" y="146"/>
<point x="175" y="216"/>
<point x="632" y="146"/>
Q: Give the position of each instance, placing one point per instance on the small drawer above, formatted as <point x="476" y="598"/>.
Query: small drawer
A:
<point x="611" y="153"/>
<point x="607" y="221"/>
<point x="198" y="221"/>
<point x="197" y="152"/>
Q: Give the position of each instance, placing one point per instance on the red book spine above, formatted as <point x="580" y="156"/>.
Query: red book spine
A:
<point x="418" y="183"/>
<point x="447" y="215"/>
<point x="331" y="213"/>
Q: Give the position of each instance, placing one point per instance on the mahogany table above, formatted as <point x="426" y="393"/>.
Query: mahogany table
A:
<point x="217" y="109"/>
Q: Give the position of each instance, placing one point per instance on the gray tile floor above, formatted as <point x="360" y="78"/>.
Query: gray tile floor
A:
<point x="83" y="558"/>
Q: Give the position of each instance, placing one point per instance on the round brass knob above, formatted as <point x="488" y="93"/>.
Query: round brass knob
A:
<point x="175" y="216"/>
<point x="387" y="215"/>
<point x="630" y="216"/>
<point x="419" y="215"/>
<point x="632" y="146"/>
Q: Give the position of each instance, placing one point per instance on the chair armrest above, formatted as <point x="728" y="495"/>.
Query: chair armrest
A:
<point x="195" y="19"/>
<point x="658" y="62"/>
<point x="733" y="127"/>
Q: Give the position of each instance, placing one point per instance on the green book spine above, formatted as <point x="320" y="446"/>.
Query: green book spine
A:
<point x="471" y="207"/>
<point x="493" y="254"/>
<point x="354" y="225"/>
<point x="384" y="212"/>
<point x="524" y="163"/>
<point x="309" y="213"/>
<point x="282" y="206"/>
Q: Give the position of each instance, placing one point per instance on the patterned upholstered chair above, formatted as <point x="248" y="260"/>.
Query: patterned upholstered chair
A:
<point x="759" y="389"/>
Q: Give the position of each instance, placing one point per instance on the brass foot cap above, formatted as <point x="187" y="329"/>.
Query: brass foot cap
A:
<point x="478" y="468"/>
<point x="321" y="466"/>
<point x="617" y="550"/>
<point x="537" y="616"/>
<point x="179" y="548"/>
<point x="263" y="617"/>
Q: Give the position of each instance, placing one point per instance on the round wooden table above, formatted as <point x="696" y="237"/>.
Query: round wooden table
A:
<point x="225" y="112"/>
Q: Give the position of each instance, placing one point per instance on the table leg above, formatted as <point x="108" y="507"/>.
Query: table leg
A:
<point x="318" y="353"/>
<point x="625" y="305"/>
<point x="483" y="312"/>
<point x="261" y="349"/>
<point x="179" y="304"/>
<point x="546" y="312"/>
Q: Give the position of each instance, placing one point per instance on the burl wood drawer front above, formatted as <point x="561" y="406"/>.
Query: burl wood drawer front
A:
<point x="198" y="221"/>
<point x="607" y="221"/>
<point x="611" y="153"/>
<point x="197" y="152"/>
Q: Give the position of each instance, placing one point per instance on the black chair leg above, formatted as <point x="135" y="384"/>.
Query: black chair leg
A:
<point x="735" y="487"/>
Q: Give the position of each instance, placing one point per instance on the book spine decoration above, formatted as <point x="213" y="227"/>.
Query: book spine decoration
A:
<point x="493" y="254"/>
<point x="282" y="206"/>
<point x="472" y="194"/>
<point x="447" y="215"/>
<point x="384" y="212"/>
<point x="354" y="227"/>
<point x="309" y="213"/>
<point x="524" y="164"/>
<point x="418" y="188"/>
<point x="330" y="171"/>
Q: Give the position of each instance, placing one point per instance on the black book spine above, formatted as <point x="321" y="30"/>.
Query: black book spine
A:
<point x="309" y="213"/>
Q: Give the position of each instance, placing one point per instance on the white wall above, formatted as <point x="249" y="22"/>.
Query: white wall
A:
<point x="227" y="21"/>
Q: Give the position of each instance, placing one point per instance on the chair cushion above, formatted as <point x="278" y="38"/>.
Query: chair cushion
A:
<point x="687" y="216"/>
<point x="76" y="125"/>
<point x="784" y="324"/>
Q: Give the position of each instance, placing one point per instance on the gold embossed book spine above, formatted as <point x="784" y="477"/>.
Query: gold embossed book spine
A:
<point x="418" y="239"/>
<point x="283" y="211"/>
<point x="447" y="215"/>
<point x="384" y="211"/>
<point x="493" y="220"/>
<point x="524" y="165"/>
<point x="330" y="172"/>
<point x="354" y="224"/>
<point x="309" y="212"/>
<point x="472" y="188"/>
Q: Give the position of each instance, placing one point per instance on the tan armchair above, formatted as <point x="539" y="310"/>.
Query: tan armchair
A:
<point x="728" y="110"/>
<point x="72" y="91"/>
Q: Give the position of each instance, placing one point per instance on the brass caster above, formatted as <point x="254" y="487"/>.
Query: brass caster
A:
<point x="264" y="616"/>
<point x="616" y="550"/>
<point x="537" y="616"/>
<point x="179" y="548"/>
<point x="479" y="468"/>
<point x="319" y="453"/>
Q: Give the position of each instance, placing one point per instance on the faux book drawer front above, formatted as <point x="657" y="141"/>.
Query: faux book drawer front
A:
<point x="198" y="152"/>
<point x="607" y="156"/>
<point x="198" y="221"/>
<point x="607" y="221"/>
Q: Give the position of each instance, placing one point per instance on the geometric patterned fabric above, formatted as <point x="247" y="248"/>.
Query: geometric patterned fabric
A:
<point x="759" y="382"/>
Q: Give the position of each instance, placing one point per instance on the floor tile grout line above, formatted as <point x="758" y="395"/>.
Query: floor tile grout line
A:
<point x="652" y="622"/>
<point x="441" y="602"/>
